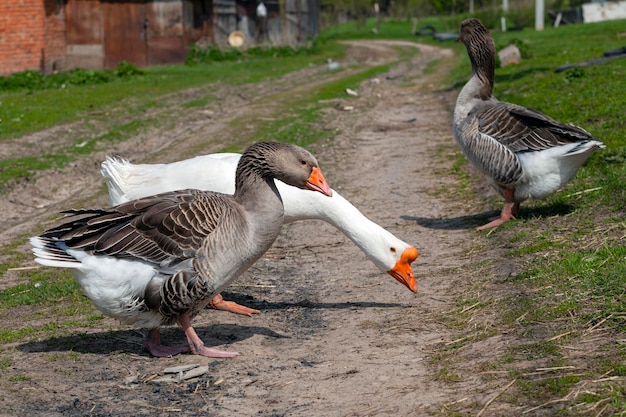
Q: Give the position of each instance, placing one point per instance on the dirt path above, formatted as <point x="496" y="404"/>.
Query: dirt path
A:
<point x="336" y="337"/>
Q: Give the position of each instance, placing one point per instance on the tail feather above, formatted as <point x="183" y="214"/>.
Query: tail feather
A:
<point x="587" y="146"/>
<point x="115" y="172"/>
<point x="49" y="252"/>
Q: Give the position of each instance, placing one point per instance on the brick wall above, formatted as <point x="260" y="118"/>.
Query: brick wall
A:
<point x="54" y="43"/>
<point x="21" y="35"/>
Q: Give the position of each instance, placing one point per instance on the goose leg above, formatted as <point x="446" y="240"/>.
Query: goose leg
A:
<point x="515" y="210"/>
<point x="218" y="303"/>
<point x="196" y="345"/>
<point x="509" y="211"/>
<point x="154" y="346"/>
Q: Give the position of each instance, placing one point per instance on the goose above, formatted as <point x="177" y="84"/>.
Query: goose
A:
<point x="161" y="259"/>
<point x="216" y="172"/>
<point x="522" y="152"/>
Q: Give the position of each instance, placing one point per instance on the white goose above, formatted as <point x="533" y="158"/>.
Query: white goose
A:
<point x="161" y="259"/>
<point x="216" y="172"/>
<point x="523" y="153"/>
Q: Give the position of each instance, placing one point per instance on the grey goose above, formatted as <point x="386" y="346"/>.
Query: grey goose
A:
<point x="160" y="259"/>
<point x="522" y="152"/>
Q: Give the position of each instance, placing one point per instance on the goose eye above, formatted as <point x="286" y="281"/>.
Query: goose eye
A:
<point x="392" y="249"/>
<point x="303" y="162"/>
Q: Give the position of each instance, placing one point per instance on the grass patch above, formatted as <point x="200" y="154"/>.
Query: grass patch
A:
<point x="53" y="329"/>
<point x="33" y="110"/>
<point x="5" y="363"/>
<point x="447" y="376"/>
<point x="201" y="102"/>
<point x="301" y="120"/>
<point x="54" y="290"/>
<point x="44" y="290"/>
<point x="19" y="378"/>
<point x="14" y="169"/>
<point x="125" y="97"/>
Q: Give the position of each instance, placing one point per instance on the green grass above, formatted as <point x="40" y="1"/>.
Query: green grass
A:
<point x="12" y="169"/>
<point x="591" y="285"/>
<point x="29" y="111"/>
<point x="57" y="328"/>
<point x="43" y="289"/>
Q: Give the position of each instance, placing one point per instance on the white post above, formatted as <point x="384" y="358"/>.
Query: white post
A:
<point x="505" y="5"/>
<point x="471" y="7"/>
<point x="539" y="12"/>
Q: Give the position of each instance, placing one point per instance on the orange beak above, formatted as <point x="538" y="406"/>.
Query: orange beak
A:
<point x="402" y="270"/>
<point x="317" y="182"/>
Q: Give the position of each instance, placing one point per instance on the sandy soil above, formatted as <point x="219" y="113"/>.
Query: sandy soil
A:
<point x="335" y="337"/>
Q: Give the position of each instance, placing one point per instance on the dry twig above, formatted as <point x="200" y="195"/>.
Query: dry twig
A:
<point x="488" y="403"/>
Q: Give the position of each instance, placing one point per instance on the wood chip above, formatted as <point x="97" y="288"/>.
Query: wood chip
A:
<point x="195" y="372"/>
<point x="181" y="368"/>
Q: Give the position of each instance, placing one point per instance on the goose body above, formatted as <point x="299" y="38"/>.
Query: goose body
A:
<point x="160" y="259"/>
<point x="523" y="153"/>
<point x="216" y="172"/>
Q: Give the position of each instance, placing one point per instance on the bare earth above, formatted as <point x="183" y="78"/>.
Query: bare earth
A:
<point x="335" y="337"/>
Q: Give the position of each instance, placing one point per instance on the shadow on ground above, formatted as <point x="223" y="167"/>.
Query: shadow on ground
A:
<point x="131" y="341"/>
<point x="250" y="301"/>
<point x="476" y="220"/>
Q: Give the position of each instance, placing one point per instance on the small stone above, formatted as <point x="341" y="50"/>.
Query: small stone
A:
<point x="509" y="55"/>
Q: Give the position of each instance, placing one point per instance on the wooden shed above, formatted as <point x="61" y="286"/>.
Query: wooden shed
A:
<point x="57" y="35"/>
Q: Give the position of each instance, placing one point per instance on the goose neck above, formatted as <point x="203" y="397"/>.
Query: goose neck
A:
<point x="481" y="52"/>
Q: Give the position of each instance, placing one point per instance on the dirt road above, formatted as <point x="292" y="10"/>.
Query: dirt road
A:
<point x="335" y="337"/>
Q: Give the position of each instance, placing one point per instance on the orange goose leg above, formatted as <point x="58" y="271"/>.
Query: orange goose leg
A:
<point x="509" y="211"/>
<point x="195" y="344"/>
<point x="154" y="346"/>
<point x="218" y="303"/>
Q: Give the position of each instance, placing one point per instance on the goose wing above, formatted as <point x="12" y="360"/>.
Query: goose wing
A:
<point x="162" y="229"/>
<point x="523" y="129"/>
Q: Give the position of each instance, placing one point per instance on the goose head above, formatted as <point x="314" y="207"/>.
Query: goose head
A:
<point x="286" y="162"/>
<point x="389" y="253"/>
<point x="481" y="51"/>
<point x="402" y="271"/>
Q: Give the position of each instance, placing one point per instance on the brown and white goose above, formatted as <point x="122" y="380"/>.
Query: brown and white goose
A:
<point x="161" y="259"/>
<point x="523" y="153"/>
